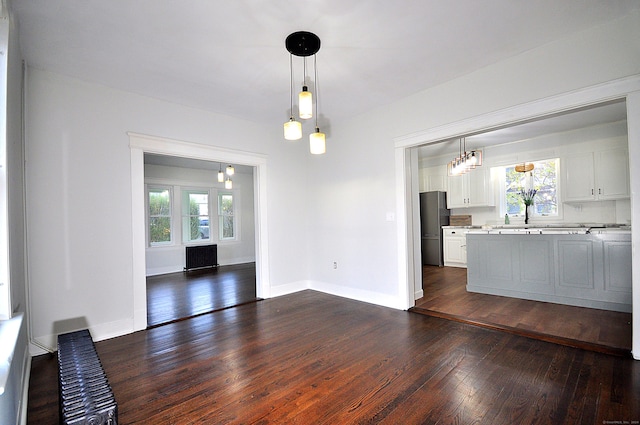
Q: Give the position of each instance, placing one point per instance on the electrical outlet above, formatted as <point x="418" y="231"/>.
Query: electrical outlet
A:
<point x="335" y="265"/>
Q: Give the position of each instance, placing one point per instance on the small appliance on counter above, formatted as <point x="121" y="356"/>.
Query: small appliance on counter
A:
<point x="433" y="215"/>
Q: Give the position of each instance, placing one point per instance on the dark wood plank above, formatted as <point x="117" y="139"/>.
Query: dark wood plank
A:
<point x="312" y="358"/>
<point x="176" y="296"/>
<point x="445" y="296"/>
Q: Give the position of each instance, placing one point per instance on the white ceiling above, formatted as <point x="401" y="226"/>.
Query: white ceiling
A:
<point x="229" y="56"/>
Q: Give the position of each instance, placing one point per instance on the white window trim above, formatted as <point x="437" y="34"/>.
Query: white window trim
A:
<point x="210" y="194"/>
<point x="172" y="240"/>
<point x="539" y="218"/>
<point x="236" y="220"/>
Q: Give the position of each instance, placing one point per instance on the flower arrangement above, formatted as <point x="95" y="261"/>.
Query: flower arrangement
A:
<point x="528" y="195"/>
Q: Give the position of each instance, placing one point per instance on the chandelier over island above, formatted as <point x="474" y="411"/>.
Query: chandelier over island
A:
<point x="466" y="161"/>
<point x="304" y="44"/>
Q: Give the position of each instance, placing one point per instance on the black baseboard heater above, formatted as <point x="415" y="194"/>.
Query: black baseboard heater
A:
<point x="85" y="395"/>
<point x="201" y="256"/>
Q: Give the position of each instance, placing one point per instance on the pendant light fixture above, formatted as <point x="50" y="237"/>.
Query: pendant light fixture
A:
<point x="228" y="183"/>
<point x="292" y="128"/>
<point x="304" y="44"/>
<point x="317" y="143"/>
<point x="466" y="161"/>
<point x="524" y="167"/>
<point x="220" y="175"/>
<point x="305" y="98"/>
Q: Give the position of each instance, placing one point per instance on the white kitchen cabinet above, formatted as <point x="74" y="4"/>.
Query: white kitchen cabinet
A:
<point x="472" y="189"/>
<point x="597" y="176"/>
<point x="455" y="247"/>
<point x="433" y="179"/>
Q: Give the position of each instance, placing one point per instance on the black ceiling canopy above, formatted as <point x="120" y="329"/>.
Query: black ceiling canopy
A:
<point x="302" y="43"/>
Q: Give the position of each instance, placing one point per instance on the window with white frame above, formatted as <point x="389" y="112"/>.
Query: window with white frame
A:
<point x="195" y="215"/>
<point x="544" y="179"/>
<point x="159" y="215"/>
<point x="226" y="216"/>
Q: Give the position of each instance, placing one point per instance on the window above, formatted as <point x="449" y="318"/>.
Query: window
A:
<point x="543" y="178"/>
<point x="195" y="215"/>
<point x="226" y="219"/>
<point x="159" y="216"/>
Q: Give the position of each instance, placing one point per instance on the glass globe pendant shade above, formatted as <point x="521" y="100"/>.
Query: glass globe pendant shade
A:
<point x="473" y="159"/>
<point x="228" y="184"/>
<point x="317" y="145"/>
<point x="305" y="103"/>
<point x="292" y="130"/>
<point x="230" y="170"/>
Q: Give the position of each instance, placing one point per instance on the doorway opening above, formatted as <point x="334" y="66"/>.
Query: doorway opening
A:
<point x="189" y="210"/>
<point x="144" y="144"/>
<point x="407" y="163"/>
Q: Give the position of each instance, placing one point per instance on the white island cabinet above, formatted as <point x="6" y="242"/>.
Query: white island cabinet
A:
<point x="455" y="247"/>
<point x="597" y="176"/>
<point x="586" y="270"/>
<point x="472" y="189"/>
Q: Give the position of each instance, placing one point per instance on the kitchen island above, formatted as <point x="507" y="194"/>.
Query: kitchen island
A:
<point x="574" y="266"/>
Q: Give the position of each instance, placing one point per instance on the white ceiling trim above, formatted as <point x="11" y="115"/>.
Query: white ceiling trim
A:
<point x="609" y="91"/>
<point x="165" y="146"/>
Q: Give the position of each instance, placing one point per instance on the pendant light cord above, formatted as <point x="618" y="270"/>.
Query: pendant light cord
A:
<point x="317" y="96"/>
<point x="291" y="82"/>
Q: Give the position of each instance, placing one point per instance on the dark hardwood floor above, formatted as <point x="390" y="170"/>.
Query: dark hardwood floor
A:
<point x="176" y="296"/>
<point x="445" y="296"/>
<point x="313" y="358"/>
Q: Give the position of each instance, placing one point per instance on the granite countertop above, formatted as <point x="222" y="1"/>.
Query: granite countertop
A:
<point x="595" y="228"/>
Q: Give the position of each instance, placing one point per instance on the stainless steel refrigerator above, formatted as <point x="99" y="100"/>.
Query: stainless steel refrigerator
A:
<point x="433" y="215"/>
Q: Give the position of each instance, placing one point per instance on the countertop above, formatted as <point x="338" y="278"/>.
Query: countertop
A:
<point x="462" y="227"/>
<point x="546" y="228"/>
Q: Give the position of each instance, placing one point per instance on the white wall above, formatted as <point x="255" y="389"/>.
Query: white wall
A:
<point x="171" y="259"/>
<point x="79" y="197"/>
<point x="352" y="214"/>
<point x="604" y="53"/>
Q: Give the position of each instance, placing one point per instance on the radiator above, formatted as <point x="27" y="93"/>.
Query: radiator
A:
<point x="201" y="256"/>
<point x="85" y="393"/>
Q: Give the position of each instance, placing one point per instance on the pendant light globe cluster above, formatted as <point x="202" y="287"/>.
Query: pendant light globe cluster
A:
<point x="304" y="44"/>
<point x="228" y="183"/>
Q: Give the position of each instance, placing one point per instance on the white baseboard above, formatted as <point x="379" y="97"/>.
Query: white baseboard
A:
<point x="26" y="376"/>
<point x="98" y="333"/>
<point x="175" y="269"/>
<point x="370" y="297"/>
<point x="290" y="288"/>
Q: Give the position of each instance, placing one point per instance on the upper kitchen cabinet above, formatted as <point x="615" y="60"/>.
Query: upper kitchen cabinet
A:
<point x="472" y="189"/>
<point x="592" y="176"/>
<point x="433" y="179"/>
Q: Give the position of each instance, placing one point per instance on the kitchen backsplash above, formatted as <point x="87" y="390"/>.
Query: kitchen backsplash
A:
<point x="587" y="212"/>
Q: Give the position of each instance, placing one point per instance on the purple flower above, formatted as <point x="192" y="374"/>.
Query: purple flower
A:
<point x="528" y="195"/>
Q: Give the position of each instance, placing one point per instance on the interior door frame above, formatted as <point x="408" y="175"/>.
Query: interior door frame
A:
<point x="140" y="144"/>
<point x="409" y="271"/>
